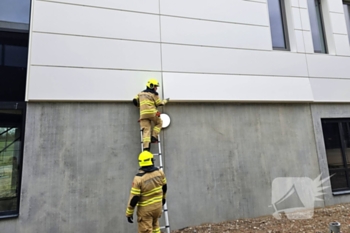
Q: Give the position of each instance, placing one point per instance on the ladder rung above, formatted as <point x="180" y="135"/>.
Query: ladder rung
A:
<point x="163" y="227"/>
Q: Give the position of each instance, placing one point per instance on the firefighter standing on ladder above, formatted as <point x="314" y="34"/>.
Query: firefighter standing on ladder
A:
<point x="148" y="194"/>
<point x="148" y="101"/>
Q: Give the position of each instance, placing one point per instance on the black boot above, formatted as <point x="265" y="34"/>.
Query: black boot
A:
<point x="147" y="149"/>
<point x="154" y="139"/>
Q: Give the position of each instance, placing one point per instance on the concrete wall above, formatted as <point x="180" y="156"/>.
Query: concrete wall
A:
<point x="79" y="162"/>
<point x="220" y="161"/>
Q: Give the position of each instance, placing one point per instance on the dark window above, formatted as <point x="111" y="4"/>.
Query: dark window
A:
<point x="14" y="36"/>
<point x="347" y="16"/>
<point x="1" y="54"/>
<point x="13" y="65"/>
<point x="11" y="148"/>
<point x="336" y="133"/>
<point x="15" y="56"/>
<point x="317" y="28"/>
<point x="278" y="24"/>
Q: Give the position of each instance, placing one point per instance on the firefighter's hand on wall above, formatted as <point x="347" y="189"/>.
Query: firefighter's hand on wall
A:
<point x="163" y="201"/>
<point x="130" y="219"/>
<point x="158" y="114"/>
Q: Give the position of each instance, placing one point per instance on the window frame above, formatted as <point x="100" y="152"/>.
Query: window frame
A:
<point x="23" y="107"/>
<point x="320" y="27"/>
<point x="346" y="168"/>
<point x="347" y="20"/>
<point x="284" y="27"/>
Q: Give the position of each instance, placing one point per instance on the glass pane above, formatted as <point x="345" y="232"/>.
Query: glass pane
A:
<point x="10" y="151"/>
<point x="332" y="143"/>
<point x="346" y="130"/>
<point x="276" y="24"/>
<point x="338" y="180"/>
<point x="15" y="56"/>
<point x="316" y="26"/>
<point x="16" y="11"/>
<point x="0" y="54"/>
<point x="347" y="17"/>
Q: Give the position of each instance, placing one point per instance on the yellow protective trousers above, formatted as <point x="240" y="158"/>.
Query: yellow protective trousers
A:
<point x="148" y="222"/>
<point x="146" y="125"/>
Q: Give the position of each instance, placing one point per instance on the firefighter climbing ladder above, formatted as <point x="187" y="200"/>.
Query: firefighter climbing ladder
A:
<point x="165" y="206"/>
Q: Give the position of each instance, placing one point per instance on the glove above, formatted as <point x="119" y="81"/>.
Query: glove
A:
<point x="130" y="219"/>
<point x="163" y="201"/>
<point x="167" y="99"/>
<point x="158" y="114"/>
<point x="136" y="102"/>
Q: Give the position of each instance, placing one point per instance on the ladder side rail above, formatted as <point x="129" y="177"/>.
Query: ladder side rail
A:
<point x="165" y="207"/>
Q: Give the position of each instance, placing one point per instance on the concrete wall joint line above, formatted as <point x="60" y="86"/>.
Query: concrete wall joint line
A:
<point x="169" y="71"/>
<point x="99" y="7"/>
<point x="93" y="68"/>
<point x="215" y="21"/>
<point x="342" y="34"/>
<point x="95" y="37"/>
<point x="255" y="1"/>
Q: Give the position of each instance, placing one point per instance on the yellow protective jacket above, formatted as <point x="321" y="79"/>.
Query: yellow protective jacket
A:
<point x="148" y="101"/>
<point x="148" y="189"/>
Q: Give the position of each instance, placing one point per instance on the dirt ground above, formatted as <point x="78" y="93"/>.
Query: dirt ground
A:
<point x="318" y="224"/>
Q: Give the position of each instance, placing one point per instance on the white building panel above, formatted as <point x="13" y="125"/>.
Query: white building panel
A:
<point x="338" y="23"/>
<point x="180" y="58"/>
<point x="302" y="3"/>
<point x="82" y="49"/>
<point x="77" y="84"/>
<point x="151" y="6"/>
<point x="221" y="34"/>
<point x="62" y="18"/>
<point x="330" y="90"/>
<point x="77" y="51"/>
<point x="204" y="87"/>
<point x="305" y="20"/>
<point x="299" y="41"/>
<point x="237" y="11"/>
<point x="342" y="45"/>
<point x="333" y="5"/>
<point x="294" y="3"/>
<point x="309" y="46"/>
<point x="323" y="65"/>
<point x="296" y="18"/>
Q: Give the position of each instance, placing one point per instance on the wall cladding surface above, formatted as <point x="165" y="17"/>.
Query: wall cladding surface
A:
<point x="222" y="158"/>
<point x="79" y="162"/>
<point x="220" y="161"/>
<point x="182" y="38"/>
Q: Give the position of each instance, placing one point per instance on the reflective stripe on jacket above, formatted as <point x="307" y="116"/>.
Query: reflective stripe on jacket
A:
<point x="148" y="186"/>
<point x="148" y="102"/>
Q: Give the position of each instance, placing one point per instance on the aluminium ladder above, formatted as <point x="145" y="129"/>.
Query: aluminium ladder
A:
<point x="165" y="206"/>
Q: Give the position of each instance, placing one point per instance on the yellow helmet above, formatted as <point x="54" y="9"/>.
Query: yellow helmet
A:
<point x="145" y="159"/>
<point x="152" y="83"/>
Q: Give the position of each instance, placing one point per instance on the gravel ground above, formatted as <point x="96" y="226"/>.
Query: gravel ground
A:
<point x="318" y="224"/>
